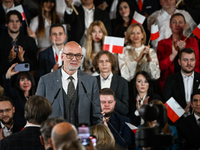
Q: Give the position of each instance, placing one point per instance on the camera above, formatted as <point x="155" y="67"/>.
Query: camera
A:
<point x="153" y="136"/>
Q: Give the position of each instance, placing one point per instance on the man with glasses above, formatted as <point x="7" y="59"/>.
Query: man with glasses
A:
<point x="189" y="128"/>
<point x="65" y="89"/>
<point x="116" y="121"/>
<point x="7" y="110"/>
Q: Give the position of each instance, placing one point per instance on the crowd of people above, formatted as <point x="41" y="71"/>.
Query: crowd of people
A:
<point x="72" y="81"/>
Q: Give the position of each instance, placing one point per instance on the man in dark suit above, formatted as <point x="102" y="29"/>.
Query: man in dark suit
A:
<point x="180" y="85"/>
<point x="116" y="120"/>
<point x="80" y="23"/>
<point x="50" y="58"/>
<point x="4" y="6"/>
<point x="65" y="89"/>
<point x="37" y="110"/>
<point x="105" y="63"/>
<point x="7" y="124"/>
<point x="189" y="127"/>
<point x="16" y="47"/>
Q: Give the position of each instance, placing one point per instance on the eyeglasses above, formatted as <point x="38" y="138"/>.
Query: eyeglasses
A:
<point x="6" y="111"/>
<point x="71" y="56"/>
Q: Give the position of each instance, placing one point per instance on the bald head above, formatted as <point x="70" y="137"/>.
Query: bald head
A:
<point x="72" y="57"/>
<point x="63" y="132"/>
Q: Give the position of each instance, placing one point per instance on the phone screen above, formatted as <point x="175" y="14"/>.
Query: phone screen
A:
<point x="84" y="134"/>
<point x="93" y="139"/>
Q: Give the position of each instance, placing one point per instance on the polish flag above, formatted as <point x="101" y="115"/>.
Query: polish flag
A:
<point x="19" y="9"/>
<point x="113" y="44"/>
<point x="138" y="18"/>
<point x="196" y="31"/>
<point x="132" y="127"/>
<point x="154" y="32"/>
<point x="174" y="110"/>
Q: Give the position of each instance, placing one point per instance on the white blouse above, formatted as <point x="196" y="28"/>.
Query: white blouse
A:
<point x="129" y="67"/>
<point x="43" y="42"/>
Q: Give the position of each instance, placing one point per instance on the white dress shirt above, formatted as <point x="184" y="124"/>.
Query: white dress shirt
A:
<point x="197" y="117"/>
<point x="6" y="131"/>
<point x="162" y="18"/>
<point x="106" y="83"/>
<point x="128" y="66"/>
<point x="6" y="8"/>
<point x="65" y="80"/>
<point x="188" y="85"/>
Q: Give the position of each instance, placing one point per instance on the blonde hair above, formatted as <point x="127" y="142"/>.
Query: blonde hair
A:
<point x="104" y="136"/>
<point x="130" y="30"/>
<point x="89" y="44"/>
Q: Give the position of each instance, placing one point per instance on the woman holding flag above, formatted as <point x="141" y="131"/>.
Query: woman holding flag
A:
<point x="136" y="56"/>
<point x="168" y="49"/>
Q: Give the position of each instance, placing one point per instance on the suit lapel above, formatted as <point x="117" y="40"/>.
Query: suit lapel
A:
<point x="99" y="81"/>
<point x="196" y="81"/>
<point x="58" y="85"/>
<point x="114" y="83"/>
<point x="82" y="16"/>
<point x="51" y="55"/>
<point x="180" y="88"/>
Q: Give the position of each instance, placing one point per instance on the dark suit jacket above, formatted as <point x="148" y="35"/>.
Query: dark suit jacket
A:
<point x="3" y="28"/>
<point x="118" y="122"/>
<point x="27" y="139"/>
<point x="49" y="85"/>
<point x="29" y="46"/>
<point x="77" y="22"/>
<point x="120" y="86"/>
<point x="46" y="61"/>
<point x="189" y="130"/>
<point x="174" y="87"/>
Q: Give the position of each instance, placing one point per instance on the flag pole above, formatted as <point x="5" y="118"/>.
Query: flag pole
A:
<point x="26" y="22"/>
<point x="74" y="9"/>
<point x="188" y="36"/>
<point x="178" y="3"/>
<point x="149" y="41"/>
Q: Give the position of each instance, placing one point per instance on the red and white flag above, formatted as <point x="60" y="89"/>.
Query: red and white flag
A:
<point x="196" y="31"/>
<point x="113" y="44"/>
<point x="132" y="127"/>
<point x="154" y="32"/>
<point x="20" y="9"/>
<point x="138" y="18"/>
<point x="174" y="110"/>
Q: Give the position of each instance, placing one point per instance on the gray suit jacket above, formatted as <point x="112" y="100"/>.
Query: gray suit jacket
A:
<point x="49" y="85"/>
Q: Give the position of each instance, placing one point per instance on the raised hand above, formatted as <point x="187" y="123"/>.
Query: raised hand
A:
<point x="31" y="33"/>
<point x="11" y="71"/>
<point x="12" y="54"/>
<point x="21" y="53"/>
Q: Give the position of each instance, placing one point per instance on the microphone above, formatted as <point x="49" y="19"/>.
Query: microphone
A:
<point x="55" y="96"/>
<point x="102" y="115"/>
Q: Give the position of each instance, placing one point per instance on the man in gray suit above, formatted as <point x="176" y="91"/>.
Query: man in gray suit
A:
<point x="65" y="89"/>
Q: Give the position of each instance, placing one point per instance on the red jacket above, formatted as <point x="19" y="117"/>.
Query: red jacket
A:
<point x="164" y="50"/>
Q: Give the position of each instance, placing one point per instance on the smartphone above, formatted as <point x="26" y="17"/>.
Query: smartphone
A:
<point x="22" y="67"/>
<point x="84" y="134"/>
<point x="93" y="139"/>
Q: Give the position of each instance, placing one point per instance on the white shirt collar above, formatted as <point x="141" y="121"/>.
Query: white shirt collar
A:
<point x="4" y="127"/>
<point x="108" y="78"/>
<point x="184" y="76"/>
<point x="88" y="10"/>
<point x="66" y="76"/>
<point x="196" y="117"/>
<point x="6" y="8"/>
<point x="32" y="125"/>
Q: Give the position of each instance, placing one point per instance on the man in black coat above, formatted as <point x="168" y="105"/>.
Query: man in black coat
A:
<point x="7" y="124"/>
<point x="81" y="22"/>
<point x="189" y="127"/>
<point x="16" y="47"/>
<point x="180" y="85"/>
<point x="37" y="110"/>
<point x="105" y="63"/>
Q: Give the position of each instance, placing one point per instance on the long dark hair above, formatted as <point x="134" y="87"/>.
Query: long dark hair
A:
<point x="54" y="18"/>
<point x="120" y="20"/>
<point x="30" y="77"/>
<point x="149" y="80"/>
